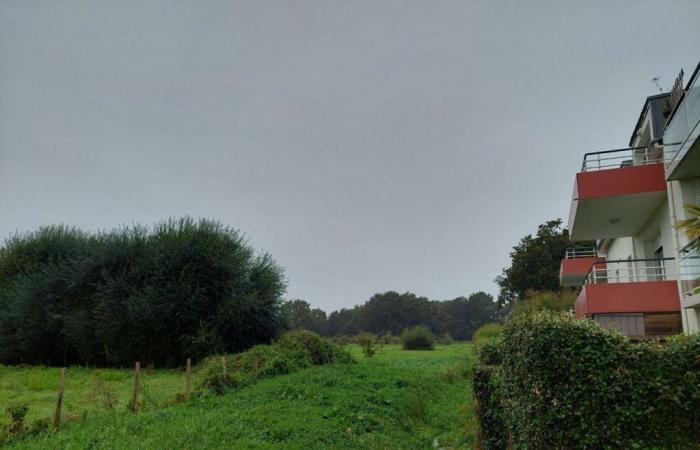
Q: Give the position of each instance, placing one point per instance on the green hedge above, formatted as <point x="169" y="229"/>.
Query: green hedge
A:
<point x="567" y="383"/>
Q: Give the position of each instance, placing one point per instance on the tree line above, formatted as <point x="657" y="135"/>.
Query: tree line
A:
<point x="391" y="312"/>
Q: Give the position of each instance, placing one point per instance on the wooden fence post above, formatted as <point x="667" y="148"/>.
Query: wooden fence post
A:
<point x="223" y="365"/>
<point x="188" y="381"/>
<point x="59" y="400"/>
<point x="137" y="387"/>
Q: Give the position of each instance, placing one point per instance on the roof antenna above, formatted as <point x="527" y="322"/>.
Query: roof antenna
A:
<point x="655" y="80"/>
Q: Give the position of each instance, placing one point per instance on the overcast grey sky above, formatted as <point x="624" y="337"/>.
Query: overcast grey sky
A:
<point x="367" y="145"/>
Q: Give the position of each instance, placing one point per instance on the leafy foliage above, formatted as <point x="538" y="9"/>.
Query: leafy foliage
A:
<point x="488" y="332"/>
<point x="418" y="338"/>
<point x="184" y="289"/>
<point x="295" y="350"/>
<point x="391" y="312"/>
<point x="556" y="301"/>
<point x="558" y="382"/>
<point x="691" y="225"/>
<point x="535" y="262"/>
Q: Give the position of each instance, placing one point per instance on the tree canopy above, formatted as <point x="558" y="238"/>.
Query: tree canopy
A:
<point x="183" y="289"/>
<point x="535" y="262"/>
<point x="392" y="312"/>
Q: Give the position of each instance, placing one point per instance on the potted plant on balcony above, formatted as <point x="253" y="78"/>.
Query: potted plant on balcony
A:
<point x="691" y="225"/>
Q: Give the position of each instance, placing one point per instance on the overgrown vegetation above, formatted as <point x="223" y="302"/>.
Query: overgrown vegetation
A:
<point x="294" y="351"/>
<point x="397" y="400"/>
<point x="366" y="342"/>
<point x="183" y="289"/>
<point x="557" y="382"/>
<point x="558" y="301"/>
<point x="488" y="332"/>
<point x="418" y="338"/>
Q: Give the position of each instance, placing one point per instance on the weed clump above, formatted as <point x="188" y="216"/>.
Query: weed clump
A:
<point x="366" y="342"/>
<point x="17" y="415"/>
<point x="418" y="338"/>
<point x="294" y="351"/>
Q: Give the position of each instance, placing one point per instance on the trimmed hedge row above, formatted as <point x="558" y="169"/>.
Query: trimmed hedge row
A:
<point x="557" y="382"/>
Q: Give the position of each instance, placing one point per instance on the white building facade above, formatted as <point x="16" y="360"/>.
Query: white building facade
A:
<point x="642" y="276"/>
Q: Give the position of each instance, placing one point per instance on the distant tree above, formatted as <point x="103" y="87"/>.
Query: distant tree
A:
<point x="535" y="262"/>
<point x="462" y="316"/>
<point x="393" y="312"/>
<point x="297" y="314"/>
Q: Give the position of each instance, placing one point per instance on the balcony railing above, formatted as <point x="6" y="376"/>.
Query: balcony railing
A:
<point x="623" y="157"/>
<point x="632" y="270"/>
<point x="689" y="267"/>
<point x="684" y="126"/>
<point x="581" y="252"/>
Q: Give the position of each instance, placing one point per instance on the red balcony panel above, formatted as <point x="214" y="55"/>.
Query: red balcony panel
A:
<point x="615" y="202"/>
<point x="573" y="271"/>
<point x="636" y="297"/>
<point x="621" y="181"/>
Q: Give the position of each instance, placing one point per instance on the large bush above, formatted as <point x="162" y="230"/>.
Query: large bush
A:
<point x="567" y="383"/>
<point x="417" y="338"/>
<point x="183" y="289"/>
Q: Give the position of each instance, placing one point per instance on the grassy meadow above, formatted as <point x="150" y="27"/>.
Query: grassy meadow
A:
<point x="397" y="399"/>
<point x="86" y="392"/>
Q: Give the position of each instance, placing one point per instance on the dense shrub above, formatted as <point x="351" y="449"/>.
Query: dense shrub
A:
<point x="366" y="342"/>
<point x="535" y="301"/>
<point x="295" y="350"/>
<point x="417" y="338"/>
<point x="487" y="332"/>
<point x="305" y="345"/>
<point x="489" y="352"/>
<point x="567" y="383"/>
<point x="183" y="289"/>
<point x="488" y="408"/>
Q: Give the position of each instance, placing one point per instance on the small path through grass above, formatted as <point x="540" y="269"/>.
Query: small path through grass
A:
<point x="396" y="400"/>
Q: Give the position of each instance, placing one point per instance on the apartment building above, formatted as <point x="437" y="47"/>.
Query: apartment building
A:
<point x="642" y="276"/>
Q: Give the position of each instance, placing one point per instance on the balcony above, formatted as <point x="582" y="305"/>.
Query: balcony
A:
<point x="576" y="264"/>
<point x="630" y="286"/>
<point x="616" y="192"/>
<point x="689" y="275"/>
<point x="682" y="156"/>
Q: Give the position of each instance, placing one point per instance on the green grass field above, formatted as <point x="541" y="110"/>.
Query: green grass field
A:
<point x="396" y="400"/>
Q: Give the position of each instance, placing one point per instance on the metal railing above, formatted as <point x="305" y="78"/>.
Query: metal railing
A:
<point x="689" y="268"/>
<point x="581" y="252"/>
<point x="622" y="157"/>
<point x="632" y="270"/>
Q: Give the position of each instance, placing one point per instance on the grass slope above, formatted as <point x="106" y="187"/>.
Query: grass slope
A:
<point x="396" y="400"/>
